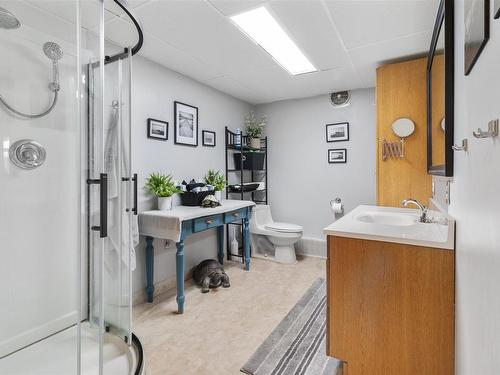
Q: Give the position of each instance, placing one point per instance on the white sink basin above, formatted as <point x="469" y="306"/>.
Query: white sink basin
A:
<point x="392" y="224"/>
<point x="387" y="218"/>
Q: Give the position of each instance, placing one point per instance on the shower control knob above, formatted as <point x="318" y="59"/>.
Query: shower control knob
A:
<point x="27" y="154"/>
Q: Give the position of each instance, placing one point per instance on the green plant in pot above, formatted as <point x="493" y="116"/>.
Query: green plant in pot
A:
<point x="217" y="180"/>
<point x="163" y="187"/>
<point x="255" y="128"/>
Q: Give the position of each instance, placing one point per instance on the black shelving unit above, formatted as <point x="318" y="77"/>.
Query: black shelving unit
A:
<point x="238" y="174"/>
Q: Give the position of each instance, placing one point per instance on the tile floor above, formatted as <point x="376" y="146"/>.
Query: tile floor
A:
<point x="220" y="330"/>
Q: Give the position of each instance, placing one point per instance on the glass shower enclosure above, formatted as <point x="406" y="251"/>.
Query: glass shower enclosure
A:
<point x="68" y="222"/>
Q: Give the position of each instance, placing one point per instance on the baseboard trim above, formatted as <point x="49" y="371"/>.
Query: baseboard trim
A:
<point x="161" y="287"/>
<point x="311" y="247"/>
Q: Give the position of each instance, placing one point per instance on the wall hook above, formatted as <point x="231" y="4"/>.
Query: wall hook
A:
<point x="492" y="130"/>
<point x="464" y="147"/>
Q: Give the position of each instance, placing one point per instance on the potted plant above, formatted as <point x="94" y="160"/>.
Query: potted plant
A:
<point x="254" y="129"/>
<point x="217" y="180"/>
<point x="163" y="187"/>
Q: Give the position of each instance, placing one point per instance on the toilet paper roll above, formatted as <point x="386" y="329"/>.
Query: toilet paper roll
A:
<point x="337" y="208"/>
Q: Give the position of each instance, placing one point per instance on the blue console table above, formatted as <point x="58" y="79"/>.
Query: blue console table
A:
<point x="180" y="222"/>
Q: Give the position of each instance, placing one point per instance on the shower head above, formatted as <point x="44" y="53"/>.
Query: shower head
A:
<point x="8" y="20"/>
<point x="53" y="51"/>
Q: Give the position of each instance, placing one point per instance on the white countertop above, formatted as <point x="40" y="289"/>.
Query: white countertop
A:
<point x="409" y="230"/>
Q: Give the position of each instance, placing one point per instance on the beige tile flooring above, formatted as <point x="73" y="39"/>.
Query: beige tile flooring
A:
<point x="220" y="330"/>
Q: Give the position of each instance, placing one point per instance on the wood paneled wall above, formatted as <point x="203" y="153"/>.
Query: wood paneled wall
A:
<point x="401" y="92"/>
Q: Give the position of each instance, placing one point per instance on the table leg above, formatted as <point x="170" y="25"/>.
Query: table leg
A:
<point x="220" y="243"/>
<point x="150" y="288"/>
<point x="179" y="263"/>
<point x="246" y="242"/>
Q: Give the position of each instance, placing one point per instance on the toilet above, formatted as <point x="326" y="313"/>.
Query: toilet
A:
<point x="282" y="235"/>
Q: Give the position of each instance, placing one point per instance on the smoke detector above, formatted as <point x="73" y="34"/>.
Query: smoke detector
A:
<point x="340" y="99"/>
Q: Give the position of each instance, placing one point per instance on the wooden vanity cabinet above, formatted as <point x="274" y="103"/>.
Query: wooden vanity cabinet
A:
<point x="390" y="307"/>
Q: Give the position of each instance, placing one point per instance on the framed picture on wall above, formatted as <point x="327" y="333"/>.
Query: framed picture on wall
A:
<point x="337" y="155"/>
<point x="337" y="132"/>
<point x="157" y="129"/>
<point x="186" y="124"/>
<point x="208" y="138"/>
<point x="477" y="30"/>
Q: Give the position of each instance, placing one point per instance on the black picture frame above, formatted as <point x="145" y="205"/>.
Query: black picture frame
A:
<point x="445" y="16"/>
<point x="331" y="137"/>
<point x="154" y="131"/>
<point x="477" y="31"/>
<point x="336" y="160"/>
<point x="496" y="10"/>
<point x="204" y="143"/>
<point x="190" y="116"/>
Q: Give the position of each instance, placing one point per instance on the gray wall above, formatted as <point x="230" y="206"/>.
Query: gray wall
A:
<point x="155" y="89"/>
<point x="475" y="204"/>
<point x="301" y="181"/>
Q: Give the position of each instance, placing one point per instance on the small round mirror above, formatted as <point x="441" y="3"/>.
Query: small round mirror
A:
<point x="403" y="127"/>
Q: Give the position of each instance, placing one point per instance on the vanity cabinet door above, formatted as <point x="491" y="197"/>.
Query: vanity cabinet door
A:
<point x="390" y="307"/>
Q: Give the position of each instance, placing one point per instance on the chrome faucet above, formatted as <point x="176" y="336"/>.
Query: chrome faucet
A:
<point x="423" y="216"/>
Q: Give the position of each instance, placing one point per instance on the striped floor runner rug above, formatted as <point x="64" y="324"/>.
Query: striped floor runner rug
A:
<point x="297" y="346"/>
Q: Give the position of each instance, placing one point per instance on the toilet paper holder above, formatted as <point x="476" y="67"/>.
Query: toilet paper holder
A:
<point x="337" y="206"/>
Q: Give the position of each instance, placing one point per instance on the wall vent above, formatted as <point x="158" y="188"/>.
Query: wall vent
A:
<point x="340" y="99"/>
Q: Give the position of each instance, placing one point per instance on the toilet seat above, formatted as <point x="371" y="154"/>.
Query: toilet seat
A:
<point x="284" y="227"/>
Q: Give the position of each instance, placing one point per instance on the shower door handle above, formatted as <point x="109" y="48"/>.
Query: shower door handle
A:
<point x="102" y="228"/>
<point x="134" y="209"/>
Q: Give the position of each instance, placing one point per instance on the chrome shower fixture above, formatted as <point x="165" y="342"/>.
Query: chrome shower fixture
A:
<point x="27" y="154"/>
<point x="54" y="52"/>
<point x="7" y="20"/>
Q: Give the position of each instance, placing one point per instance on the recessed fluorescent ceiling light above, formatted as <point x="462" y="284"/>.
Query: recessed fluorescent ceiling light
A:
<point x="261" y="26"/>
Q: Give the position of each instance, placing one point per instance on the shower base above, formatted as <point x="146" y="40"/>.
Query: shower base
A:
<point x="56" y="355"/>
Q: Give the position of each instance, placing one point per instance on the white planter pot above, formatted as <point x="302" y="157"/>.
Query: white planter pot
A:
<point x="255" y="143"/>
<point x="218" y="195"/>
<point x="165" y="204"/>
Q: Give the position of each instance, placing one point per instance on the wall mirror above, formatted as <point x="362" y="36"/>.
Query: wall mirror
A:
<point x="440" y="93"/>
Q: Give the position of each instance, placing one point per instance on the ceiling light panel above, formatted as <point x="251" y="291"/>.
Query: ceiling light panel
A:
<point x="260" y="26"/>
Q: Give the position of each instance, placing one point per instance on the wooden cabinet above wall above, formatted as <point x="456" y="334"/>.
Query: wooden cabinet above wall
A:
<point x="401" y="92"/>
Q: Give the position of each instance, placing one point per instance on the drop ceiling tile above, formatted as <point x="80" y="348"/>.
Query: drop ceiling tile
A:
<point x="308" y="24"/>
<point x="121" y="32"/>
<point x="197" y="39"/>
<point x="124" y="33"/>
<point x="279" y="85"/>
<point x="198" y="29"/>
<point x="229" y="85"/>
<point x="367" y="59"/>
<point x="364" y="22"/>
<point x="232" y="7"/>
<point x="113" y="8"/>
<point x="67" y="10"/>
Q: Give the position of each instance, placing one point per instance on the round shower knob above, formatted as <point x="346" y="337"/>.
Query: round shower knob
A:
<point x="27" y="154"/>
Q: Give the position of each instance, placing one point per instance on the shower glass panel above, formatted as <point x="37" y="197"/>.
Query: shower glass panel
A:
<point x="40" y="189"/>
<point x="111" y="253"/>
<point x="92" y="118"/>
<point x="67" y="218"/>
<point x="110" y="154"/>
